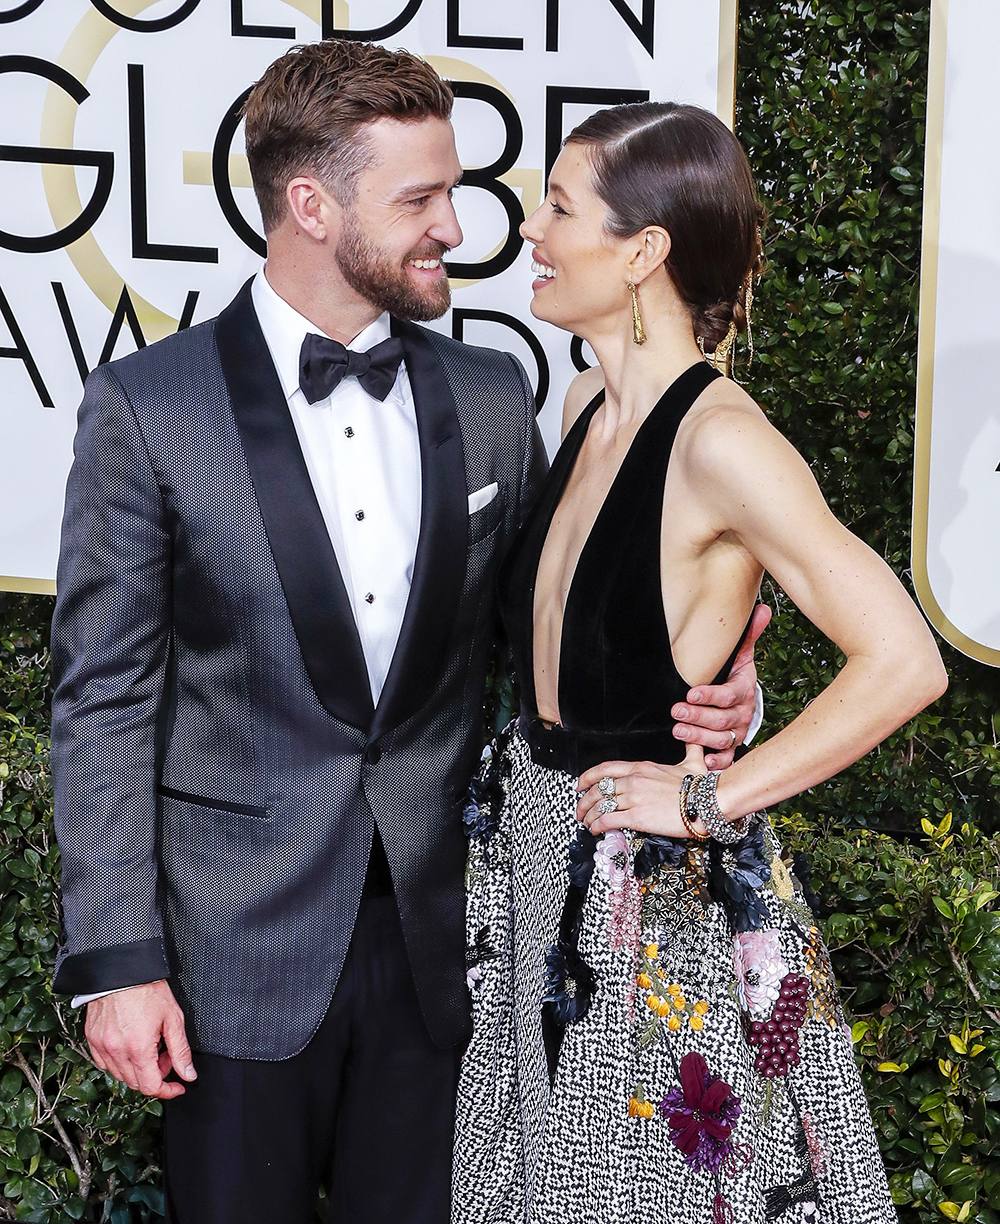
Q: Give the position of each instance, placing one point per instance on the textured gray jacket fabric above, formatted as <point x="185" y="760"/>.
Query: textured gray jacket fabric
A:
<point x="216" y="758"/>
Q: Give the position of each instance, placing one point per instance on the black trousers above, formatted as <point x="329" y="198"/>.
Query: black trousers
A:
<point x="366" y="1110"/>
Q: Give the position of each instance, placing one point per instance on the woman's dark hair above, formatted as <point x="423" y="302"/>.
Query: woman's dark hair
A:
<point x="662" y="163"/>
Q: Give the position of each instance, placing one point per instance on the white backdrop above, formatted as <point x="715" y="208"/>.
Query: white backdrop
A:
<point x="956" y="522"/>
<point x="134" y="95"/>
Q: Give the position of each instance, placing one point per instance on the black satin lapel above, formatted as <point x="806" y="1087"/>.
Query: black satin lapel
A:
<point x="300" y="544"/>
<point x="439" y="565"/>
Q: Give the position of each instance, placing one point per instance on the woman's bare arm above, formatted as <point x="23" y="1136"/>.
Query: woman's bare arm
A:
<point x="759" y="487"/>
<point x="764" y="491"/>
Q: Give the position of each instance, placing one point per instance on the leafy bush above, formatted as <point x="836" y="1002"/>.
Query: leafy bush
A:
<point x="831" y="99"/>
<point x="830" y="108"/>
<point x="916" y="937"/>
<point x="74" y="1145"/>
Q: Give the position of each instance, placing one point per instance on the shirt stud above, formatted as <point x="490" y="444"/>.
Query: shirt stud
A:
<point x="369" y="598"/>
<point x="348" y="432"/>
<point x="359" y="515"/>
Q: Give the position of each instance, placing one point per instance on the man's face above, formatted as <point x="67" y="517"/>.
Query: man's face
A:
<point x="402" y="221"/>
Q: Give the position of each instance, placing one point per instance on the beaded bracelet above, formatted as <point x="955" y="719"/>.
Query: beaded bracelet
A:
<point x="685" y="818"/>
<point x="702" y="802"/>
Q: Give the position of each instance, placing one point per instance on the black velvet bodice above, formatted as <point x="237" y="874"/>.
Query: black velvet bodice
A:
<point x="617" y="678"/>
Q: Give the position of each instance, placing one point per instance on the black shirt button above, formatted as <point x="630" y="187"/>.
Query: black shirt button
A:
<point x="359" y="515"/>
<point x="373" y="754"/>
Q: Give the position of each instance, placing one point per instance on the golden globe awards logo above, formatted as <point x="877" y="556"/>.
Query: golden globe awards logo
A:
<point x="128" y="213"/>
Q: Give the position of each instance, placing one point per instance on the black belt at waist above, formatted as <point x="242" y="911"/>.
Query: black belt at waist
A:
<point x="573" y="752"/>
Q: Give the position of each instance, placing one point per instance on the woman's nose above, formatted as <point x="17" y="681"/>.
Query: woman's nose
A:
<point x="529" y="229"/>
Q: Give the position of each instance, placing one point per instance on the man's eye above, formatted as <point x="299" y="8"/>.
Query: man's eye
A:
<point x="421" y="201"/>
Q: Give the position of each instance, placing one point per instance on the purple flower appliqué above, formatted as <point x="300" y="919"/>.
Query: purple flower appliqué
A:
<point x="701" y="1114"/>
<point x="611" y="857"/>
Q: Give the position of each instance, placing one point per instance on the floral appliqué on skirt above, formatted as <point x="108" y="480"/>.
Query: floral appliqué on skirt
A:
<point x="657" y="1032"/>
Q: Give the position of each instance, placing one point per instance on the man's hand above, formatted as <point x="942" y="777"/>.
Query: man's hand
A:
<point x="126" y="1031"/>
<point x="714" y="714"/>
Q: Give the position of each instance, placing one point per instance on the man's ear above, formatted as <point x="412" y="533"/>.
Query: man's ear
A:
<point x="312" y="209"/>
<point x="651" y="251"/>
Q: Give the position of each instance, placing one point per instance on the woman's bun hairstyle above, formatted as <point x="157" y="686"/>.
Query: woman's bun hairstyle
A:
<point x="679" y="167"/>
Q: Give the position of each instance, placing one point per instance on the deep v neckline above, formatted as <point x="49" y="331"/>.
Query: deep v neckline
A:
<point x="581" y="428"/>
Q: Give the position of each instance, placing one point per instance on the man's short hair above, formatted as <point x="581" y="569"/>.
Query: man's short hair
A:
<point x="305" y="114"/>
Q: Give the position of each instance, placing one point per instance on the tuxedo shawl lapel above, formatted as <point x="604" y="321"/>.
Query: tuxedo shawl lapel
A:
<point x="314" y="588"/>
<point x="439" y="565"/>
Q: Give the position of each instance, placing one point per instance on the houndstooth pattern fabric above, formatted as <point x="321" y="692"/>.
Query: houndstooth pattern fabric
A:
<point x="802" y="1148"/>
<point x="214" y="819"/>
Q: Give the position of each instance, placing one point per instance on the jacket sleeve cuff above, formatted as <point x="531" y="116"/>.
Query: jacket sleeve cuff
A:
<point x="107" y="969"/>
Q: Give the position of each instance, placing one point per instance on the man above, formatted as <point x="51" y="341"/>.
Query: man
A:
<point x="274" y="623"/>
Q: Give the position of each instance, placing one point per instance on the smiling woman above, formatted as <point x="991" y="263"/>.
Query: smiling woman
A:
<point x="687" y="972"/>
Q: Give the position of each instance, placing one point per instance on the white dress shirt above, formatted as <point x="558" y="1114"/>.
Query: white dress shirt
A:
<point x="363" y="458"/>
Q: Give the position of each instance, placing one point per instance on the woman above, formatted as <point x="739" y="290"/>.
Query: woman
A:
<point x="657" y="1031"/>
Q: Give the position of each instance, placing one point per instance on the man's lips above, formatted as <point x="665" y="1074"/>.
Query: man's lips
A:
<point x="427" y="267"/>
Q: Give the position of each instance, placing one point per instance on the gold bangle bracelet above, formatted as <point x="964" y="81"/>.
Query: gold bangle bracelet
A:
<point x="685" y="818"/>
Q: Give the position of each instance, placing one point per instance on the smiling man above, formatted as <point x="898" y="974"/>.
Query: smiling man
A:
<point x="274" y="623"/>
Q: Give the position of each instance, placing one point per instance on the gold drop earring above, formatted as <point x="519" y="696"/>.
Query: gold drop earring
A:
<point x="720" y="358"/>
<point x="638" y="331"/>
<point x="747" y="307"/>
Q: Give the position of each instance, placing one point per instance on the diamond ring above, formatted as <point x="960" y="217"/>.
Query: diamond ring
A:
<point x="608" y="805"/>
<point x="607" y="787"/>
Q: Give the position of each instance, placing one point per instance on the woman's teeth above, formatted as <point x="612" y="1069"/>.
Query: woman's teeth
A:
<point x="541" y="269"/>
<point x="426" y="263"/>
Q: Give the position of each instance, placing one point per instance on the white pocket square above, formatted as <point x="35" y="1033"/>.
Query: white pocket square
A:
<point x="482" y="497"/>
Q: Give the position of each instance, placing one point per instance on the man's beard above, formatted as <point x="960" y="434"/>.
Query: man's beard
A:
<point x="373" y="275"/>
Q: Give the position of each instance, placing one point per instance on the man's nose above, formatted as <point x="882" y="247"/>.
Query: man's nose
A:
<point x="446" y="228"/>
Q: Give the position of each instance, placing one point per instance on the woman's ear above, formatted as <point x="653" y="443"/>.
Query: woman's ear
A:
<point x="653" y="249"/>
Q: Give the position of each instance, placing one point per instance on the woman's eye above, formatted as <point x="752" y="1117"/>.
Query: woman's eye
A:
<point x="561" y="211"/>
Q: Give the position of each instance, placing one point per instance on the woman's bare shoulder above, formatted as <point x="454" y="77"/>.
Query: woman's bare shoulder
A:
<point x="723" y="426"/>
<point x="579" y="393"/>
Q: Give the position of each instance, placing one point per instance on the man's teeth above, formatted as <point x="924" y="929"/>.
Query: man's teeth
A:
<point x="541" y="269"/>
<point x="426" y="263"/>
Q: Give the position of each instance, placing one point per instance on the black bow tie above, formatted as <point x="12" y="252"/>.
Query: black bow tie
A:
<point x="324" y="362"/>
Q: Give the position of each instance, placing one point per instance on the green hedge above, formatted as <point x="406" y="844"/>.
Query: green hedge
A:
<point x="830" y="107"/>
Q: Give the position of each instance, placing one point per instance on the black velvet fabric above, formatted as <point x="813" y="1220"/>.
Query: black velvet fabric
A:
<point x="617" y="676"/>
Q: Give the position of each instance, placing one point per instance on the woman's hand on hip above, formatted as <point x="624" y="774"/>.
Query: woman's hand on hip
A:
<point x="647" y="795"/>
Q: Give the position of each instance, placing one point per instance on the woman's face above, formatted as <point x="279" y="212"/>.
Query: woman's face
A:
<point x="581" y="273"/>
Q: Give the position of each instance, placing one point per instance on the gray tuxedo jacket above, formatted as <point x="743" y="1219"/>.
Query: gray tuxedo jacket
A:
<point x="217" y="760"/>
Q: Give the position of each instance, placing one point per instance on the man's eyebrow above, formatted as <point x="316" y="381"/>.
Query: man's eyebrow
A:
<point x="415" y="190"/>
